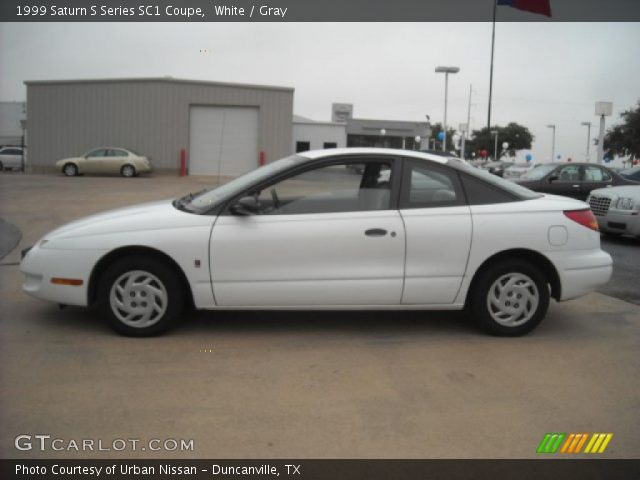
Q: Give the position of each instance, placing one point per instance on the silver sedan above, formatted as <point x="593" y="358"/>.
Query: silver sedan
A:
<point x="617" y="209"/>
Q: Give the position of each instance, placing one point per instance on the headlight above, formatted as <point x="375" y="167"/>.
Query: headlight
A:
<point x="625" y="203"/>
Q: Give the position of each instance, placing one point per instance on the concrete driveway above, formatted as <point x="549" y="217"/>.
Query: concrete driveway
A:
<point x="300" y="385"/>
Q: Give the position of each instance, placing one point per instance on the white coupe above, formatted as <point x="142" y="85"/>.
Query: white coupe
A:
<point x="357" y="228"/>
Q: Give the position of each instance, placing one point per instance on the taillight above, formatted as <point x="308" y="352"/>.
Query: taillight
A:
<point x="583" y="217"/>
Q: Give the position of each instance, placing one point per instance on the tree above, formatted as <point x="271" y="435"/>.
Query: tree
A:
<point x="624" y="139"/>
<point x="517" y="136"/>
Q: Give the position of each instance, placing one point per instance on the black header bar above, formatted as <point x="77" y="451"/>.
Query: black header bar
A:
<point x="309" y="11"/>
<point x="565" y="469"/>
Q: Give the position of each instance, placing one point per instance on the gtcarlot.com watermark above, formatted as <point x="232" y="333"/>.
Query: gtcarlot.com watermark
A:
<point x="46" y="442"/>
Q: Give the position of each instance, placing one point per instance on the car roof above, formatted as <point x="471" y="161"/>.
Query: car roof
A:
<point x="331" y="152"/>
<point x="108" y="147"/>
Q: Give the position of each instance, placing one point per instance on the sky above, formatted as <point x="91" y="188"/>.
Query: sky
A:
<point x="545" y="73"/>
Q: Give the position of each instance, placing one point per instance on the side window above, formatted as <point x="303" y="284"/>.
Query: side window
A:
<point x="303" y="147"/>
<point x="344" y="187"/>
<point x="481" y="193"/>
<point x="98" y="153"/>
<point x="569" y="173"/>
<point x="596" y="174"/>
<point x="427" y="186"/>
<point x="117" y="153"/>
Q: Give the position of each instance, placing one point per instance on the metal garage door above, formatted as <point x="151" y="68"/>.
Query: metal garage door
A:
<point x="223" y="140"/>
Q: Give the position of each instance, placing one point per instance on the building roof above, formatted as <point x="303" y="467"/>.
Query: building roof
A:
<point x="364" y="126"/>
<point x="167" y="79"/>
<point x="307" y="121"/>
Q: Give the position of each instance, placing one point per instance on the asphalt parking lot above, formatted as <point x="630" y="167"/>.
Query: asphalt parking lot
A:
<point x="304" y="385"/>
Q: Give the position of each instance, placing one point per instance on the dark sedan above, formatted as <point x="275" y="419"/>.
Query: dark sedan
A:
<point x="631" y="174"/>
<point x="571" y="179"/>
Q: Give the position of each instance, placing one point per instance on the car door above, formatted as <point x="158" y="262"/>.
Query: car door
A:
<point x="116" y="159"/>
<point x="324" y="236"/>
<point x="594" y="176"/>
<point x="565" y="180"/>
<point x="438" y="232"/>
<point x="93" y="162"/>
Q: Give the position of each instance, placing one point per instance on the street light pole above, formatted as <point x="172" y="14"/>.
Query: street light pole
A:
<point x="553" y="142"/>
<point x="588" y="125"/>
<point x="446" y="71"/>
<point x="603" y="109"/>
<point x="495" y="146"/>
<point x="465" y="131"/>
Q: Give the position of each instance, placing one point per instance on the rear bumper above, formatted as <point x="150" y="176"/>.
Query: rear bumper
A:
<point x="582" y="271"/>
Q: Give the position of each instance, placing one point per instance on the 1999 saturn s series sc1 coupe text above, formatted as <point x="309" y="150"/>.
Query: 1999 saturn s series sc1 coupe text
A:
<point x="357" y="228"/>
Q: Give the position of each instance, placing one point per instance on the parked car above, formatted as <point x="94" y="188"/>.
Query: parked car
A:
<point x="106" y="160"/>
<point x="11" y="158"/>
<point x="617" y="209"/>
<point x="412" y="231"/>
<point x="571" y="179"/>
<point x="497" y="168"/>
<point x="517" y="170"/>
<point x="631" y="173"/>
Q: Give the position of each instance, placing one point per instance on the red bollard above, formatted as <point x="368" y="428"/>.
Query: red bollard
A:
<point x="183" y="162"/>
<point x="261" y="160"/>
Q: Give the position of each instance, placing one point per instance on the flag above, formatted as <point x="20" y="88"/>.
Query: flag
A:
<point x="542" y="7"/>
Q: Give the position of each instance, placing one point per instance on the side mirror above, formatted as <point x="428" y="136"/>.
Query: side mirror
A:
<point x="246" y="206"/>
<point x="553" y="178"/>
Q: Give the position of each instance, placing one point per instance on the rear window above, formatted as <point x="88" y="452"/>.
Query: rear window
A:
<point x="516" y="191"/>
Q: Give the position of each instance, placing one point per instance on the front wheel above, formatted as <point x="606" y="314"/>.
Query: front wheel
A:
<point x="70" y="170"/>
<point x="140" y="296"/>
<point x="510" y="298"/>
<point x="128" y="171"/>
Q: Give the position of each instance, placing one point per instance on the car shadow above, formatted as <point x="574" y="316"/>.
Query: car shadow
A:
<point x="384" y="323"/>
<point x="278" y="322"/>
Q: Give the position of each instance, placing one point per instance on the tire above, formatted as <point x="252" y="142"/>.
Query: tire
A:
<point x="128" y="171"/>
<point x="70" y="170"/>
<point x="131" y="287"/>
<point x="496" y="305"/>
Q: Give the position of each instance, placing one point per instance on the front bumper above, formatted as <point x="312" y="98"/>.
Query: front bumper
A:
<point x="41" y="265"/>
<point x="620" y="222"/>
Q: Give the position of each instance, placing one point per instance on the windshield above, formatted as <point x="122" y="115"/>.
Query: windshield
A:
<point x="538" y="173"/>
<point x="501" y="183"/>
<point x="209" y="198"/>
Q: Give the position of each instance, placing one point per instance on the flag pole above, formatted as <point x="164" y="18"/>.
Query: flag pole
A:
<point x="493" y="42"/>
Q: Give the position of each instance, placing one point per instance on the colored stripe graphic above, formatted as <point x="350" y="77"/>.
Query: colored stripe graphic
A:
<point x="574" y="443"/>
<point x="551" y="442"/>
<point x="598" y="443"/>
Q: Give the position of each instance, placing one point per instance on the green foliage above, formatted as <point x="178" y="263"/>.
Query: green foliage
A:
<point x="517" y="136"/>
<point x="624" y="139"/>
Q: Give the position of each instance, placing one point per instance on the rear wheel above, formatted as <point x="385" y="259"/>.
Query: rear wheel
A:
<point x="140" y="296"/>
<point x="128" y="170"/>
<point x="70" y="170"/>
<point x="510" y="298"/>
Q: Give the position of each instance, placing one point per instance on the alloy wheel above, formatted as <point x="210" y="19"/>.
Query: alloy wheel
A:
<point x="513" y="299"/>
<point x="138" y="299"/>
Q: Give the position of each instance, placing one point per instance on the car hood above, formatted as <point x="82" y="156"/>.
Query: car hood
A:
<point x="148" y="216"/>
<point x="632" y="191"/>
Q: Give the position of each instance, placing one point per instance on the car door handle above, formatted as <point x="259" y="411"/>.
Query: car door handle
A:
<point x="576" y="186"/>
<point x="375" y="232"/>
